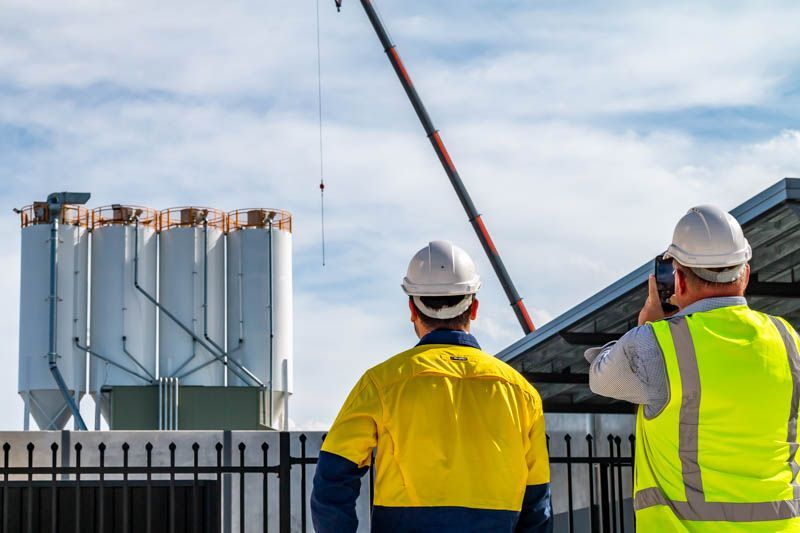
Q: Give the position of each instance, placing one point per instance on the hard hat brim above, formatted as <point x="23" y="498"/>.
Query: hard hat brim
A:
<point x="728" y="260"/>
<point x="459" y="289"/>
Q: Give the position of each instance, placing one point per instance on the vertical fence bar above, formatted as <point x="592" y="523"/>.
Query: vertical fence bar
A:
<point x="604" y="507"/>
<point x="593" y="525"/>
<point x="611" y="480"/>
<point x="285" y="484"/>
<point x="632" y="441"/>
<point x="148" y="513"/>
<point x="29" y="499"/>
<point x="632" y="444"/>
<point x="570" y="503"/>
<point x="227" y="481"/>
<point x="620" y="497"/>
<point x="78" y="448"/>
<point x="195" y="511"/>
<point x="6" y="449"/>
<point x="100" y="490"/>
<point x="264" y="480"/>
<point x="242" y="447"/>
<point x="125" y="521"/>
<point x="303" y="483"/>
<point x="53" y="489"/>
<point x="218" y="447"/>
<point x="172" y="487"/>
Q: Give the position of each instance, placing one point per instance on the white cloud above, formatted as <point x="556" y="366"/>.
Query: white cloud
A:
<point x="167" y="105"/>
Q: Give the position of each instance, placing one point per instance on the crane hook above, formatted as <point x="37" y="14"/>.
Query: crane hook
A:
<point x="338" y="5"/>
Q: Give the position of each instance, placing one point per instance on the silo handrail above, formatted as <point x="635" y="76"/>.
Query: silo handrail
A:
<point x="192" y="217"/>
<point x="117" y="214"/>
<point x="39" y="213"/>
<point x="259" y="217"/>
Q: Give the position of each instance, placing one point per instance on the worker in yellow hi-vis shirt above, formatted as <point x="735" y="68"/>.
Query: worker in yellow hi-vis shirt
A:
<point x="458" y="435"/>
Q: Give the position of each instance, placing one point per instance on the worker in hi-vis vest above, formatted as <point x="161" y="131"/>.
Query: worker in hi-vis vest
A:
<point x="458" y="436"/>
<point x="718" y="386"/>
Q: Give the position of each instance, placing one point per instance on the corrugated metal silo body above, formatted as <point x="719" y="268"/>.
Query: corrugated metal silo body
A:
<point x="119" y="310"/>
<point x="181" y="292"/>
<point x="253" y="253"/>
<point x="36" y="383"/>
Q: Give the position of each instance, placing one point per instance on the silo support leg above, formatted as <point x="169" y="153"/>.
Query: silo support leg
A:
<point x="26" y="420"/>
<point x="98" y="398"/>
<point x="77" y="399"/>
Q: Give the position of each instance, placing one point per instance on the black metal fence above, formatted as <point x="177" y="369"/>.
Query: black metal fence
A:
<point x="80" y="490"/>
<point x="602" y="500"/>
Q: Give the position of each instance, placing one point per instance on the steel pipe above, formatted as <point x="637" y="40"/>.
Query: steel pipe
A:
<point x="52" y="354"/>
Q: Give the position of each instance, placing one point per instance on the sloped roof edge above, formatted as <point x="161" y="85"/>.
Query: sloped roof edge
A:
<point x="775" y="195"/>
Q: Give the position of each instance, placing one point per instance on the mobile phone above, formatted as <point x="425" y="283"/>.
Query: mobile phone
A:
<point x="665" y="282"/>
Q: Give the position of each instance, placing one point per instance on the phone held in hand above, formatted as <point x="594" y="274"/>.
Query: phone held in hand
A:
<point x="665" y="282"/>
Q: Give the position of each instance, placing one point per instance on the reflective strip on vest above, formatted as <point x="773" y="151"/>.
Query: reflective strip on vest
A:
<point x="696" y="508"/>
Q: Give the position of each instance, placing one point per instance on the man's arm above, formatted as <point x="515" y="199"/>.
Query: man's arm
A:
<point x="537" y="510"/>
<point x="633" y="368"/>
<point x="536" y="515"/>
<point x="628" y="369"/>
<point x="345" y="457"/>
<point x="337" y="483"/>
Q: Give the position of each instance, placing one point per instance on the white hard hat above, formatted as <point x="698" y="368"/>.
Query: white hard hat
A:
<point x="706" y="238"/>
<point x="442" y="269"/>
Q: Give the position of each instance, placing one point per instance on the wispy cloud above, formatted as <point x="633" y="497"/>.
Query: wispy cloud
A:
<point x="583" y="131"/>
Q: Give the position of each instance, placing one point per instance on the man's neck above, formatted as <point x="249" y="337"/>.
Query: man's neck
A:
<point x="422" y="330"/>
<point x="705" y="295"/>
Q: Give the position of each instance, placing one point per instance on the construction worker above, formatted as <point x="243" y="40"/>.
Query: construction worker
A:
<point x="718" y="386"/>
<point x="458" y="435"/>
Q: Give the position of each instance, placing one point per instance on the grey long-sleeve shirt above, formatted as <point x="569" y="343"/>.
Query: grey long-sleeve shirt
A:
<point x="633" y="368"/>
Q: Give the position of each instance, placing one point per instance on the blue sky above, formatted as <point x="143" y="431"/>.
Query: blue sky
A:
<point x="582" y="129"/>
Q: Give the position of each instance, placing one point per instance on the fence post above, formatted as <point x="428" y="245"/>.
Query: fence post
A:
<point x="604" y="507"/>
<point x="285" y="484"/>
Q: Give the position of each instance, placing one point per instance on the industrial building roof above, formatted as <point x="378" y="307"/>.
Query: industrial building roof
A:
<point x="552" y="356"/>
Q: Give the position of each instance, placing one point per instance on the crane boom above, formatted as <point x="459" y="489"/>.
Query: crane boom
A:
<point x="444" y="157"/>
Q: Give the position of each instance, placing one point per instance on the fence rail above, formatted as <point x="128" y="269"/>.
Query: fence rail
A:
<point x="219" y="487"/>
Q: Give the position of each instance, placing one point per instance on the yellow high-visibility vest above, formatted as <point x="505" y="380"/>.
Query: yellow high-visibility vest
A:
<point x="721" y="455"/>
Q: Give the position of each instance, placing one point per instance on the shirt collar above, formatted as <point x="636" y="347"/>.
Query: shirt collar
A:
<point x="449" y="336"/>
<point x="709" y="304"/>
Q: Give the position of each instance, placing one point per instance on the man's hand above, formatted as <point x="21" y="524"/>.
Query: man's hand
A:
<point x="652" y="309"/>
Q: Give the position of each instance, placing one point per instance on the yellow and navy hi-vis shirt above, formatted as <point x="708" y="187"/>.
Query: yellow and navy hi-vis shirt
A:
<point x="459" y="440"/>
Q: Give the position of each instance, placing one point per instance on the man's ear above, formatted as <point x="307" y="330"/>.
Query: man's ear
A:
<point x="414" y="314"/>
<point x="473" y="311"/>
<point x="680" y="282"/>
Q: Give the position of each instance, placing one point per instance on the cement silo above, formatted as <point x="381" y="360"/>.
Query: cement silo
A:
<point x="53" y="309"/>
<point x="260" y="327"/>
<point x="123" y="320"/>
<point x="192" y="295"/>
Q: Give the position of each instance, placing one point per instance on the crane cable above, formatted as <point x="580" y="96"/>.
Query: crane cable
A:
<point x="321" y="165"/>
